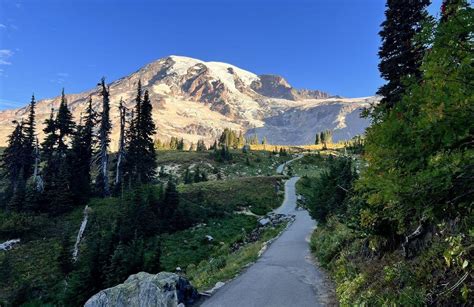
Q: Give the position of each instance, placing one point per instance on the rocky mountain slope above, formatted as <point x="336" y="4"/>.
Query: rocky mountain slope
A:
<point x="196" y="100"/>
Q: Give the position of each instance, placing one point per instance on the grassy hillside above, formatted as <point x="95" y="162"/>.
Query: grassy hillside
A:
<point x="33" y="271"/>
<point x="253" y="163"/>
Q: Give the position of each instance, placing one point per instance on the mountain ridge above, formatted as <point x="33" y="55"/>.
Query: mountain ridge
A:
<point x="194" y="99"/>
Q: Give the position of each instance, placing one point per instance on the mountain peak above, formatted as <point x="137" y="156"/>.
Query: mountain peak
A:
<point x="195" y="99"/>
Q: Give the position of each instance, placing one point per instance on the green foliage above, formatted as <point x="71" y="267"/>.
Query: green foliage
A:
<point x="201" y="146"/>
<point x="420" y="158"/>
<point x="141" y="162"/>
<point x="102" y="180"/>
<point x="323" y="137"/>
<point x="222" y="154"/>
<point x="332" y="188"/>
<point x="400" y="54"/>
<point x="15" y="161"/>
<point x="81" y="156"/>
<point x="191" y="246"/>
<point x="230" y="139"/>
<point x="226" y="196"/>
<point x="224" y="265"/>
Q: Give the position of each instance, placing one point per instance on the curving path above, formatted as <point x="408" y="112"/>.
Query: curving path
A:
<point x="285" y="274"/>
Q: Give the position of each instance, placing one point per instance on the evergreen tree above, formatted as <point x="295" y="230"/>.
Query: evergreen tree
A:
<point x="65" y="258"/>
<point x="147" y="130"/>
<point x="64" y="125"/>
<point x="81" y="157"/>
<point x="400" y="54"/>
<point x="30" y="138"/>
<point x="420" y="156"/>
<point x="214" y="146"/>
<point x="180" y="144"/>
<point x="13" y="163"/>
<point x="197" y="174"/>
<point x="59" y="193"/>
<point x="240" y="140"/>
<point x="317" y="141"/>
<point x="170" y="202"/>
<point x="141" y="154"/>
<point x="201" y="146"/>
<point x="49" y="145"/>
<point x="322" y="137"/>
<point x="253" y="140"/>
<point x="104" y="140"/>
<point x="57" y="170"/>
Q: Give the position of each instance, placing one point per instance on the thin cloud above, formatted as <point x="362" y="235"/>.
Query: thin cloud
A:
<point x="5" y="54"/>
<point x="63" y="74"/>
<point x="2" y="26"/>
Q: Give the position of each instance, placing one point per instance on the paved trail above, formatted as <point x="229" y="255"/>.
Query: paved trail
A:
<point x="284" y="275"/>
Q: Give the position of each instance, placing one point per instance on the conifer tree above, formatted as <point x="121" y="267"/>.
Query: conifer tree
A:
<point x="30" y="138"/>
<point x="322" y="137"/>
<point x="81" y="157"/>
<point x="57" y="170"/>
<point x="400" y="55"/>
<point x="13" y="163"/>
<point x="240" y="140"/>
<point x="170" y="201"/>
<point x="141" y="154"/>
<point x="121" y="147"/>
<point x="317" y="141"/>
<point x="64" y="125"/>
<point x="104" y="140"/>
<point x="197" y="174"/>
<point x="49" y="145"/>
<point x="201" y="146"/>
<point x="147" y="131"/>
<point x="180" y="144"/>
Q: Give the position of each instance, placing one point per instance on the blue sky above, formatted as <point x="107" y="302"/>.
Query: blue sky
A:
<point x="329" y="45"/>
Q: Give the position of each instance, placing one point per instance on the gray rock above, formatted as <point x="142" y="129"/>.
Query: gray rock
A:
<point x="7" y="245"/>
<point x="264" y="221"/>
<point x="144" y="289"/>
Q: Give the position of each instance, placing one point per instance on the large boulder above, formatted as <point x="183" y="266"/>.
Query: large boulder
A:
<point x="144" y="289"/>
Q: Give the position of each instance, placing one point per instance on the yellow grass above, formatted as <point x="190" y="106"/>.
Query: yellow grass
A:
<point x="295" y="148"/>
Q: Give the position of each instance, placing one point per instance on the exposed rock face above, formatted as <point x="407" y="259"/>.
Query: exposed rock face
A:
<point x="195" y="100"/>
<point x="298" y="125"/>
<point x="146" y="290"/>
<point x="277" y="87"/>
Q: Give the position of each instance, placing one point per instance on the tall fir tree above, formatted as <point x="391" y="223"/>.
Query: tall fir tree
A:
<point x="141" y="155"/>
<point x="30" y="138"/>
<point x="133" y="142"/>
<point x="104" y="140"/>
<point x="57" y="170"/>
<point x="64" y="125"/>
<point x="81" y="156"/>
<point x="13" y="163"/>
<point x="147" y="130"/>
<point x="400" y="54"/>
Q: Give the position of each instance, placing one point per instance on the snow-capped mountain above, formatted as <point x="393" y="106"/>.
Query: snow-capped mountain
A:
<point x="196" y="100"/>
